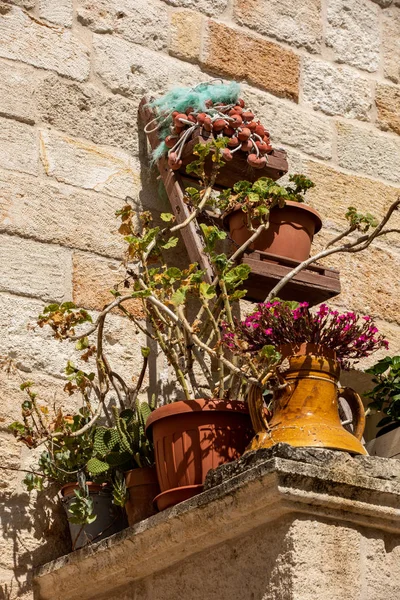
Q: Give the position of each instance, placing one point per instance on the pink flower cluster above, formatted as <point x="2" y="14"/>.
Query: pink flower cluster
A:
<point x="277" y="323"/>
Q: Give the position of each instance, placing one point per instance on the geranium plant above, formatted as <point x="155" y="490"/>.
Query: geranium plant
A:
<point x="278" y="323"/>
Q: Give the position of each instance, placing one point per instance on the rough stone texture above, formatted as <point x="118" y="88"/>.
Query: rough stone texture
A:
<point x="338" y="461"/>
<point x="42" y="45"/>
<point x="391" y="44"/>
<point x="209" y="7"/>
<point x="93" y="278"/>
<point x="297" y="24"/>
<point x="367" y="279"/>
<point x="91" y="167"/>
<point x="35" y="269"/>
<point x="376" y="155"/>
<point x="86" y="112"/>
<point x="142" y="22"/>
<point x="336" y="91"/>
<point x="127" y="69"/>
<point x="387" y="101"/>
<point x="277" y="516"/>
<point x="289" y="124"/>
<point x="19" y="148"/>
<point x="352" y="33"/>
<point x="16" y="92"/>
<point x="185" y="40"/>
<point x="59" y="214"/>
<point x="233" y="53"/>
<point x="335" y="191"/>
<point x="59" y="12"/>
<point x="38" y="351"/>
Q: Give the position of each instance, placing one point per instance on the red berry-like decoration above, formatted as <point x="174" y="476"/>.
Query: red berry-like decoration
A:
<point x="233" y="142"/>
<point x="228" y="131"/>
<point x="200" y="118"/>
<point x="255" y="162"/>
<point x="173" y="161"/>
<point x="244" y="134"/>
<point x="209" y="103"/>
<point x="177" y="119"/>
<point x="219" y="124"/>
<point x="237" y="121"/>
<point x="226" y="154"/>
<point x="247" y="115"/>
<point x="207" y="124"/>
<point x="241" y="102"/>
<point x="263" y="147"/>
<point x="260" y="130"/>
<point x="247" y="146"/>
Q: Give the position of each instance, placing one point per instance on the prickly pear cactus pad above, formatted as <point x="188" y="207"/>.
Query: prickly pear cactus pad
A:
<point x="210" y="110"/>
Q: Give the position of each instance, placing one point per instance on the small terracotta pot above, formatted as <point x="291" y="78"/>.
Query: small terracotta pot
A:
<point x="290" y="232"/>
<point x="190" y="438"/>
<point x="142" y="485"/>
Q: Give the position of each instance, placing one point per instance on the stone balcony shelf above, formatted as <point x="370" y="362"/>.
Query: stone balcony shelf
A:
<point x="279" y="524"/>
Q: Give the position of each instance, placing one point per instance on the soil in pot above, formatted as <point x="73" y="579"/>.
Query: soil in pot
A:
<point x="290" y="232"/>
<point x="110" y="518"/>
<point x="142" y="485"/>
<point x="190" y="438"/>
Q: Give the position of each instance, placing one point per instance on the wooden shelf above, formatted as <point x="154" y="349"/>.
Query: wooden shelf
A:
<point x="238" y="168"/>
<point x="314" y="284"/>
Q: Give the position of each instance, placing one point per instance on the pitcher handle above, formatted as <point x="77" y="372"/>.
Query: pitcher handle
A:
<point x="357" y="409"/>
<point x="258" y="415"/>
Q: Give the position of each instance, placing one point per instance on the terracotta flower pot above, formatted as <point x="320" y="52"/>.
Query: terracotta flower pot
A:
<point x="109" y="518"/>
<point x="142" y="485"/>
<point x="190" y="438"/>
<point x="290" y="232"/>
<point x="306" y="412"/>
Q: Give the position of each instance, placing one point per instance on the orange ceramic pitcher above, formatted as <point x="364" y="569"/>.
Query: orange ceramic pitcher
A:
<point x="306" y="410"/>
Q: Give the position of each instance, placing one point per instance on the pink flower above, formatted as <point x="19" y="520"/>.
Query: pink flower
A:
<point x="367" y="318"/>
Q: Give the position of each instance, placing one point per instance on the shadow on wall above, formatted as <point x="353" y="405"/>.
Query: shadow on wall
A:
<point x="25" y="520"/>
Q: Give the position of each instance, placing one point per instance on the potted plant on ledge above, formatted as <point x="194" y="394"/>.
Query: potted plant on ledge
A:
<point x="385" y="398"/>
<point x="304" y="406"/>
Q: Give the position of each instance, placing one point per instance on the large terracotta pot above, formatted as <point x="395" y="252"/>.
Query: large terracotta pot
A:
<point x="290" y="232"/>
<point x="190" y="438"/>
<point x="306" y="412"/>
<point x="109" y="518"/>
<point x="142" y="485"/>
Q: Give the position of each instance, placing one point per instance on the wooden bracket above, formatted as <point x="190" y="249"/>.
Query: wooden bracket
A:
<point x="314" y="284"/>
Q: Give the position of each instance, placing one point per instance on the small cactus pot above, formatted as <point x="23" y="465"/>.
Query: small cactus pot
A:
<point x="109" y="518"/>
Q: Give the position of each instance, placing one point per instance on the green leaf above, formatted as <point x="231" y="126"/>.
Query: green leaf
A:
<point x="145" y="350"/>
<point x="82" y="343"/>
<point x="67" y="305"/>
<point x="237" y="275"/>
<point x="253" y="197"/>
<point x="173" y="273"/>
<point x="171" y="243"/>
<point x="167" y="217"/>
<point x="242" y="186"/>
<point x="25" y="385"/>
<point x="179" y="296"/>
<point x="141" y="294"/>
<point x="51" y="308"/>
<point x="207" y="291"/>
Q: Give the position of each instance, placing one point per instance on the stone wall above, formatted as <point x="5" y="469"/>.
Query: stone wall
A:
<point x="323" y="74"/>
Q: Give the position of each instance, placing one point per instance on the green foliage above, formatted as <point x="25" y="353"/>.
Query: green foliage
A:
<point x="200" y="168"/>
<point x="118" y="446"/>
<point x="63" y="318"/>
<point x="359" y="221"/>
<point x="80" y="509"/>
<point x="386" y="393"/>
<point x="256" y="199"/>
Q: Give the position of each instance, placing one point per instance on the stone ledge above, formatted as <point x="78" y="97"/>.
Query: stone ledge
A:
<point x="258" y="489"/>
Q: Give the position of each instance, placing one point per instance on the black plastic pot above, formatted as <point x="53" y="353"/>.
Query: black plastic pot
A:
<point x="110" y="518"/>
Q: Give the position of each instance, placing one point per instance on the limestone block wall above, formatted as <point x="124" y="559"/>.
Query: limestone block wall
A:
<point x="323" y="74"/>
